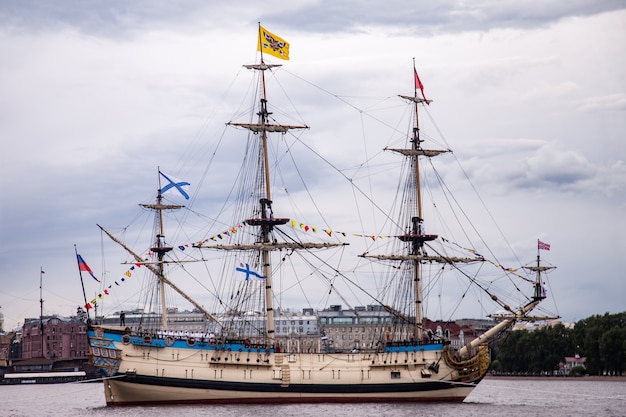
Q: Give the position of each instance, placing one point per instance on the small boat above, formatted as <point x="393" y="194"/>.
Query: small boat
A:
<point x="248" y="351"/>
<point x="60" y="377"/>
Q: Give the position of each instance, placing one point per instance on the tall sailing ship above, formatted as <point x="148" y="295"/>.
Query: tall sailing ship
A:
<point x="241" y="356"/>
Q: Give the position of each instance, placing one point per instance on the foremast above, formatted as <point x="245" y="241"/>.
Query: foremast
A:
<point x="160" y="248"/>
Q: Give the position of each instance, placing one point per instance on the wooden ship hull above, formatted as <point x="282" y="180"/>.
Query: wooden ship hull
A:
<point x="145" y="370"/>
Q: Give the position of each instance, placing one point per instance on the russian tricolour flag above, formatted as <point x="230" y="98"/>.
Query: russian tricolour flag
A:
<point x="83" y="267"/>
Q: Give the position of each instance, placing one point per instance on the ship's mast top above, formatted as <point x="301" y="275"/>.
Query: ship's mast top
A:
<point x="540" y="292"/>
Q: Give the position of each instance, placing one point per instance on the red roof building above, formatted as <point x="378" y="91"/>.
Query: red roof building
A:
<point x="63" y="338"/>
<point x="572" y="361"/>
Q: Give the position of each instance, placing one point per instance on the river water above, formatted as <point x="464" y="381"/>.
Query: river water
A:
<point x="494" y="397"/>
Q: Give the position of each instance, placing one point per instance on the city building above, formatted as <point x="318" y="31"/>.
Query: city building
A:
<point x="354" y="329"/>
<point x="62" y="338"/>
<point x="6" y="345"/>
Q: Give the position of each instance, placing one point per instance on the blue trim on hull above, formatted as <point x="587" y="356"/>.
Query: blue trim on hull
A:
<point x="201" y="344"/>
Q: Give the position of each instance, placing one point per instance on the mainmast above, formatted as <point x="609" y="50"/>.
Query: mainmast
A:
<point x="266" y="222"/>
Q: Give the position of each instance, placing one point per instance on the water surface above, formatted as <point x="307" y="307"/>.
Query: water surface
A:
<point x="494" y="397"/>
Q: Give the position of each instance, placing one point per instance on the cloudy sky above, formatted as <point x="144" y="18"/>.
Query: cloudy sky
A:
<point x="95" y="95"/>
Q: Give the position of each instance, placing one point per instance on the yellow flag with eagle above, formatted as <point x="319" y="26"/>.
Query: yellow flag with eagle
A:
<point x="272" y="44"/>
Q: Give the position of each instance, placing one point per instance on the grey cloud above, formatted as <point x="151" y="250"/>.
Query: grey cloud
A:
<point x="556" y="167"/>
<point x="615" y="101"/>
<point x="424" y="17"/>
<point x="117" y="17"/>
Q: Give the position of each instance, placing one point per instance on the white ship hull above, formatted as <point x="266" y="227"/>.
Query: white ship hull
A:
<point x="150" y="372"/>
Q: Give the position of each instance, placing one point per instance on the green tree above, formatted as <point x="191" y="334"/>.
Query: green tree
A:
<point x="611" y="348"/>
<point x="600" y="338"/>
<point x="603" y="353"/>
<point x="512" y="353"/>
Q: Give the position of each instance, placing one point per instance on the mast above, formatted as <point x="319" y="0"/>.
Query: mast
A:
<point x="540" y="292"/>
<point x="507" y="320"/>
<point x="160" y="248"/>
<point x="156" y="271"/>
<point x="416" y="236"/>
<point x="267" y="225"/>
<point x="41" y="309"/>
<point x="82" y="284"/>
<point x="266" y="222"/>
<point x="417" y="224"/>
<point x="266" y="213"/>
